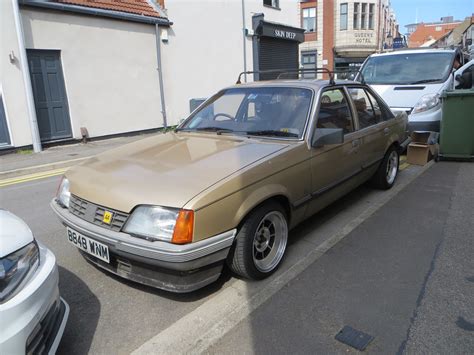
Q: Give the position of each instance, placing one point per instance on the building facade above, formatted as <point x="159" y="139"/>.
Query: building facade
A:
<point x="75" y="68"/>
<point x="340" y="34"/>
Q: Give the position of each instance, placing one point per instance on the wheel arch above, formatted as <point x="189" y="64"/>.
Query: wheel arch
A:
<point x="247" y="208"/>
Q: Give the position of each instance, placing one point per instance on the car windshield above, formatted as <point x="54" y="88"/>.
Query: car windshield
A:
<point x="268" y="111"/>
<point x="412" y="68"/>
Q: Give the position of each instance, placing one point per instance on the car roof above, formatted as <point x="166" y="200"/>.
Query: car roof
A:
<point x="414" y="50"/>
<point x="314" y="84"/>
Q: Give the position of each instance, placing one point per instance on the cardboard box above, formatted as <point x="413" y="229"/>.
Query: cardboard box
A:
<point x="419" y="154"/>
<point x="422" y="148"/>
<point x="429" y="138"/>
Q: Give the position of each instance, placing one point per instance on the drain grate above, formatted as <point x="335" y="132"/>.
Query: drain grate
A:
<point x="353" y="337"/>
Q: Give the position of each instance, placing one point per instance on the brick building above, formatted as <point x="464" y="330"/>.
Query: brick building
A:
<point x="340" y="34"/>
<point x="428" y="33"/>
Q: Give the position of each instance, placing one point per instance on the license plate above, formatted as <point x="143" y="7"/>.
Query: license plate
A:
<point x="89" y="245"/>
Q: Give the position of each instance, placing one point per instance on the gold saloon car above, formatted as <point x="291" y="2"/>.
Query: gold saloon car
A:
<point x="227" y="186"/>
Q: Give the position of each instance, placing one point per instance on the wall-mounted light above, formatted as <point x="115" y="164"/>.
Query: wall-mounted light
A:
<point x="164" y="35"/>
<point x="12" y="57"/>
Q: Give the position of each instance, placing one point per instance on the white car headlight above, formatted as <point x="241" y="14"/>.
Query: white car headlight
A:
<point x="426" y="102"/>
<point x="152" y="222"/>
<point x="16" y="268"/>
<point x="64" y="195"/>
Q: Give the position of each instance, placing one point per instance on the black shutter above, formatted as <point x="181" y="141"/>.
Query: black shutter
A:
<point x="277" y="54"/>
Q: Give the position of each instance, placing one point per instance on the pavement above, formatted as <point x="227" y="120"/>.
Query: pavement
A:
<point x="58" y="157"/>
<point x="395" y="264"/>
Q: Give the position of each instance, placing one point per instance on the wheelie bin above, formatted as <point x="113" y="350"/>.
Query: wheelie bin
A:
<point x="457" y="125"/>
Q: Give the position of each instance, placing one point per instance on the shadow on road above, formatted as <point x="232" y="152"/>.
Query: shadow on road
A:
<point x="83" y="316"/>
<point x="178" y="297"/>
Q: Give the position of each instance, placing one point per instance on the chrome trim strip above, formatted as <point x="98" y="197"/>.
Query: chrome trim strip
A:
<point x="157" y="250"/>
<point x="59" y="334"/>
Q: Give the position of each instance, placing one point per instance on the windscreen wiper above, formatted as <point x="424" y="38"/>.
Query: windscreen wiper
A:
<point x="218" y="130"/>
<point x="274" y="133"/>
<point x="425" y="81"/>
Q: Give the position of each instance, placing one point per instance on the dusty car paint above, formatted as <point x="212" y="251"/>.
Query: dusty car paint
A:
<point x="224" y="177"/>
<point x="168" y="169"/>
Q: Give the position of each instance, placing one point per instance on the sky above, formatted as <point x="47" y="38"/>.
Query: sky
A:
<point x="407" y="11"/>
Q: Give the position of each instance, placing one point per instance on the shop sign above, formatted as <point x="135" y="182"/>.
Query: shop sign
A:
<point x="284" y="34"/>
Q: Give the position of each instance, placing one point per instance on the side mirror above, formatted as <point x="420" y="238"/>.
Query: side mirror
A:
<point x="326" y="136"/>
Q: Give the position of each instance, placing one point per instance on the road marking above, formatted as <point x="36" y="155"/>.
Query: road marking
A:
<point x="31" y="177"/>
<point x="403" y="166"/>
<point x="10" y="174"/>
<point x="198" y="330"/>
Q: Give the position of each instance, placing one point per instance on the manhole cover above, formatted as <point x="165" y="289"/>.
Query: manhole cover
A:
<point x="353" y="337"/>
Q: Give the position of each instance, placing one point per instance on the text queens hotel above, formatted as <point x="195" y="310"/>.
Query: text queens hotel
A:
<point x="340" y="34"/>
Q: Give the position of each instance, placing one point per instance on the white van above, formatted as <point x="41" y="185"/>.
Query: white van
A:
<point x="413" y="80"/>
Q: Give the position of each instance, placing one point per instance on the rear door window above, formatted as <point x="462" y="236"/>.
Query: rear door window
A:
<point x="375" y="107"/>
<point x="334" y="111"/>
<point x="365" y="110"/>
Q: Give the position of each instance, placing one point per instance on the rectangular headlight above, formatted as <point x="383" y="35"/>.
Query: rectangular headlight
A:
<point x="63" y="195"/>
<point x="152" y="222"/>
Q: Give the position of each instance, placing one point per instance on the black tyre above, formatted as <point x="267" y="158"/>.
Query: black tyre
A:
<point x="386" y="175"/>
<point x="260" y="243"/>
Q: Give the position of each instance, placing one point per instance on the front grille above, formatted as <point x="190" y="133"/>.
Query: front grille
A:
<point x="118" y="219"/>
<point x="93" y="213"/>
<point x="42" y="337"/>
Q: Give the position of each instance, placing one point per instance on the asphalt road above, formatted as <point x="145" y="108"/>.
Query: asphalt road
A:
<point x="110" y="315"/>
<point x="404" y="276"/>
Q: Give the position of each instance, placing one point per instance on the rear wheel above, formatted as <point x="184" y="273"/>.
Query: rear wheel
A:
<point x="385" y="176"/>
<point x="260" y="243"/>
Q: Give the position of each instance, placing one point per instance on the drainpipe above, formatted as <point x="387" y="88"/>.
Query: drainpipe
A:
<point x="30" y="103"/>
<point x="244" y="33"/>
<point x="160" y="74"/>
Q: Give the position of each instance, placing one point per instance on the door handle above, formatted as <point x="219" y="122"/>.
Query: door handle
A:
<point x="386" y="131"/>
<point x="355" y="143"/>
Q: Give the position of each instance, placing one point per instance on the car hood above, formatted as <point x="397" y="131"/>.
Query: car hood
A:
<point x="405" y="96"/>
<point x="14" y="233"/>
<point x="165" y="170"/>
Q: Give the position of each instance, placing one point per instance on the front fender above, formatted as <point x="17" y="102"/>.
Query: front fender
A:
<point x="257" y="196"/>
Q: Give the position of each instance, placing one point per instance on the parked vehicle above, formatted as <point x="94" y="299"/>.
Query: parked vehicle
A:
<point x="32" y="313"/>
<point x="248" y="165"/>
<point x="413" y="80"/>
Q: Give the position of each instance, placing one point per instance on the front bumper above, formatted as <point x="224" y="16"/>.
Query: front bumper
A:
<point x="428" y="121"/>
<point x="35" y="318"/>
<point x="171" y="267"/>
<point x="422" y="126"/>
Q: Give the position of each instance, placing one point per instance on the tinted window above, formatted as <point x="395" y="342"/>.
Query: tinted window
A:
<point x="363" y="106"/>
<point x="334" y="111"/>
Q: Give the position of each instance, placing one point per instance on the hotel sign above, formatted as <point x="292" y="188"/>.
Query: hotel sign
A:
<point x="364" y="38"/>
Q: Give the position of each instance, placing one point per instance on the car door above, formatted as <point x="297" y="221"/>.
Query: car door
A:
<point x="372" y="126"/>
<point x="334" y="166"/>
<point x="463" y="77"/>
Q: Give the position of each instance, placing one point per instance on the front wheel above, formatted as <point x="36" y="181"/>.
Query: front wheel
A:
<point x="260" y="243"/>
<point x="385" y="176"/>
